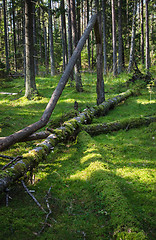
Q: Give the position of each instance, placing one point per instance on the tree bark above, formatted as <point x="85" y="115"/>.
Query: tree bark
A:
<point x="132" y="49"/>
<point x="45" y="46"/>
<point x="120" y="41"/>
<point x="6" y="38"/>
<point x="88" y="41"/>
<point x="51" y="42"/>
<point x="147" y="37"/>
<point x="79" y="87"/>
<point x="67" y="130"/>
<point x="104" y="36"/>
<point x="99" y="64"/>
<point x="35" y="40"/>
<point x="114" y="39"/>
<point x="64" y="35"/>
<point x="96" y="129"/>
<point x="10" y="140"/>
<point x="142" y="33"/>
<point x="14" y="33"/>
<point x="30" y="85"/>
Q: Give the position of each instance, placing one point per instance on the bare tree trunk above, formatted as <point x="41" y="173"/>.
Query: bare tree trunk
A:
<point x="88" y="42"/>
<point x="104" y="36"/>
<point x="14" y="33"/>
<point x="142" y="33"/>
<point x="18" y="136"/>
<point x="64" y="36"/>
<point x="78" y="26"/>
<point x="79" y="87"/>
<point x="45" y="46"/>
<point x="147" y="37"/>
<point x="120" y="41"/>
<point x="6" y="38"/>
<point x="132" y="49"/>
<point x="35" y="41"/>
<point x="70" y="47"/>
<point x="30" y="85"/>
<point x="114" y="39"/>
<point x="99" y="56"/>
<point x="52" y="60"/>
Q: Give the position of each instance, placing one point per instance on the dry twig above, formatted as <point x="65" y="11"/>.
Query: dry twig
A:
<point x="12" y="161"/>
<point x="31" y="195"/>
<point x="45" y="222"/>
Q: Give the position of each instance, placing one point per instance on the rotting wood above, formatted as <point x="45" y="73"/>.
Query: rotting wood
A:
<point x="96" y="129"/>
<point x="70" y="128"/>
<point x="27" y="131"/>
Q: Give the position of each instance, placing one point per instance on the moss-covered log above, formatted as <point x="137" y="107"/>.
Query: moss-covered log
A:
<point x="95" y="129"/>
<point x="65" y="132"/>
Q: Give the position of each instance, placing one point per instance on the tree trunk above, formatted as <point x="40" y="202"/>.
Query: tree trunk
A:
<point x="147" y="37"/>
<point x="30" y="85"/>
<point x="96" y="129"/>
<point x="10" y="140"/>
<point x="78" y="26"/>
<point x="114" y="39"/>
<point x="142" y="33"/>
<point x="6" y="39"/>
<point x="104" y="36"/>
<point x="64" y="35"/>
<point x="70" y="47"/>
<point x="35" y="41"/>
<point x="14" y="33"/>
<point x="120" y="41"/>
<point x="51" y="42"/>
<point x="45" y="46"/>
<point x="67" y="130"/>
<point x="79" y="87"/>
<point x="99" y="64"/>
<point x="132" y="49"/>
<point x="24" y="47"/>
<point x="88" y="42"/>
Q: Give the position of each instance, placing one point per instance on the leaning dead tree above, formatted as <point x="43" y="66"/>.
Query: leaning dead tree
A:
<point x="66" y="131"/>
<point x="6" y="142"/>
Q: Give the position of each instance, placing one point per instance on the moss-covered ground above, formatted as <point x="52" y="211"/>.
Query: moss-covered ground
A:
<point x="102" y="187"/>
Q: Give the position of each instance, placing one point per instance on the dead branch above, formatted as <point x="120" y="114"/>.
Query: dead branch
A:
<point x="14" y="160"/>
<point x="4" y="156"/>
<point x="46" y="219"/>
<point x="31" y="195"/>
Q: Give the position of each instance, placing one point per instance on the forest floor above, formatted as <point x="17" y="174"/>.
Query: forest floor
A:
<point x="102" y="187"/>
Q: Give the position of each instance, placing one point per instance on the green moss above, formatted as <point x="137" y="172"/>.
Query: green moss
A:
<point x="102" y="187"/>
<point x="130" y="235"/>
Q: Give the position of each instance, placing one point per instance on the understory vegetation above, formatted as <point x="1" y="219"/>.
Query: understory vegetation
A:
<point x="102" y="187"/>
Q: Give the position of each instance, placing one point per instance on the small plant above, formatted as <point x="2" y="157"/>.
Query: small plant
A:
<point x="151" y="88"/>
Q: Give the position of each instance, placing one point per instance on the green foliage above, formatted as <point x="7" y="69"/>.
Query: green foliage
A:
<point x="102" y="187"/>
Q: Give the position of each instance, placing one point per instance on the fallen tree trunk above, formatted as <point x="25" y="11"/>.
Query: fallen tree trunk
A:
<point x="68" y="129"/>
<point x="27" y="131"/>
<point x="102" y="109"/>
<point x="96" y="129"/>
